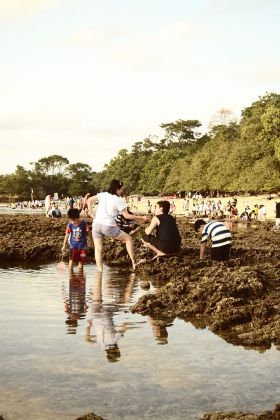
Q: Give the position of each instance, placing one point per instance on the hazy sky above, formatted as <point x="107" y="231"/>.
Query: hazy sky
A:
<point x="84" y="78"/>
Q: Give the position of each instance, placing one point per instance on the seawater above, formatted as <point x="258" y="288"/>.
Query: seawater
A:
<point x="69" y="346"/>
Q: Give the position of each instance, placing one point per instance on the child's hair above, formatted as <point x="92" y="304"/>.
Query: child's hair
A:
<point x="164" y="205"/>
<point x="114" y="186"/>
<point x="73" y="214"/>
<point x="198" y="223"/>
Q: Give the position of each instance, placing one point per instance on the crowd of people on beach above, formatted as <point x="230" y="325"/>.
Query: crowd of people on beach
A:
<point x="217" y="210"/>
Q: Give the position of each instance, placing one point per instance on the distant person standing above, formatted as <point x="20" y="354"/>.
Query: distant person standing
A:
<point x="277" y="216"/>
<point x="47" y="204"/>
<point x="186" y="206"/>
<point x="71" y="202"/>
<point x="220" y="237"/>
<point x="85" y="204"/>
<point x="262" y="213"/>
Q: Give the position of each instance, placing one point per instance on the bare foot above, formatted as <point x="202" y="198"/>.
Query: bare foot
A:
<point x="159" y="254"/>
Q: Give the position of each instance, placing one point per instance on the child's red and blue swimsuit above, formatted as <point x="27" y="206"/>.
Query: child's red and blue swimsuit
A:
<point x="78" y="240"/>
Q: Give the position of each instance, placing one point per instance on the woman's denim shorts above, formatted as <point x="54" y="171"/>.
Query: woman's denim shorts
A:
<point x="99" y="231"/>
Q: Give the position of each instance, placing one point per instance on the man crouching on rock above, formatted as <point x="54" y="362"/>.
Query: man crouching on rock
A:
<point x="167" y="239"/>
<point x="220" y="237"/>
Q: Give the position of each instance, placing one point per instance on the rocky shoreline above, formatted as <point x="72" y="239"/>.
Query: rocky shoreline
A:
<point x="238" y="299"/>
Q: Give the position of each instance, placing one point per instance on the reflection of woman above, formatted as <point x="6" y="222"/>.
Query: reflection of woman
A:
<point x="101" y="330"/>
<point x="109" y="205"/>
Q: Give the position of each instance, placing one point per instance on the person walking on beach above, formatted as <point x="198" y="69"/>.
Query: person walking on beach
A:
<point x="110" y="204"/>
<point x="220" y="237"/>
<point x="167" y="239"/>
<point x="76" y="231"/>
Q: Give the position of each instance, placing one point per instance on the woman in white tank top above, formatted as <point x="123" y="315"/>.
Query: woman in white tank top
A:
<point x="110" y="204"/>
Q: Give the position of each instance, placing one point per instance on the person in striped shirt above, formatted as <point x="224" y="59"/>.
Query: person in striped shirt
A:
<point x="218" y="234"/>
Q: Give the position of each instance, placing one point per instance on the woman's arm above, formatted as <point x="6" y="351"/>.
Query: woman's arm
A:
<point x="129" y="216"/>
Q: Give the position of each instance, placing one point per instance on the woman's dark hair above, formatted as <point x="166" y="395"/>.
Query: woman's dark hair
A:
<point x="198" y="223"/>
<point x="73" y="214"/>
<point x="164" y="205"/>
<point x="114" y="186"/>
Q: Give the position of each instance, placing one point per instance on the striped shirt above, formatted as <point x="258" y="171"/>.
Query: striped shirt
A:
<point x="219" y="234"/>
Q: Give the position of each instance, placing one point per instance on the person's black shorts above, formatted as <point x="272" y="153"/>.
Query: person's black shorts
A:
<point x="153" y="240"/>
<point x="220" y="253"/>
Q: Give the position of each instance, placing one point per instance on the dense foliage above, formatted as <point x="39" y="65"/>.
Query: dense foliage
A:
<point x="232" y="157"/>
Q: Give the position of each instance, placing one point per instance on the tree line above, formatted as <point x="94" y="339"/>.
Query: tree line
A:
<point x="239" y="156"/>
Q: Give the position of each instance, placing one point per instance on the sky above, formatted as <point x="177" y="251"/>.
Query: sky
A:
<point x="85" y="78"/>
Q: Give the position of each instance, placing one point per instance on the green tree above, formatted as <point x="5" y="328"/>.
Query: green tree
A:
<point x="80" y="177"/>
<point x="181" y="131"/>
<point x="51" y="165"/>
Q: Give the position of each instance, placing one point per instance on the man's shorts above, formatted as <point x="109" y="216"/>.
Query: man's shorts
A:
<point x="161" y="246"/>
<point x="78" y="255"/>
<point x="220" y="253"/>
<point x="99" y="231"/>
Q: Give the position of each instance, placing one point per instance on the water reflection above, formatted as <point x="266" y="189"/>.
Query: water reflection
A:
<point x="159" y="329"/>
<point x="75" y="300"/>
<point x="106" y="298"/>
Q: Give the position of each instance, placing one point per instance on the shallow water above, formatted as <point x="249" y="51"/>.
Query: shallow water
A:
<point x="70" y="346"/>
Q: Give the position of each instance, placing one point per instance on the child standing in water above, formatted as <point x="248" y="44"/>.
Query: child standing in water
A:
<point x="76" y="232"/>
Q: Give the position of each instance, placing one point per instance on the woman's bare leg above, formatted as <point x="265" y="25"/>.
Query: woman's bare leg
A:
<point x="127" y="239"/>
<point x="98" y="251"/>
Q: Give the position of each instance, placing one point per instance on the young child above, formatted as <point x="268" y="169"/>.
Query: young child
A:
<point x="127" y="226"/>
<point x="77" y="230"/>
